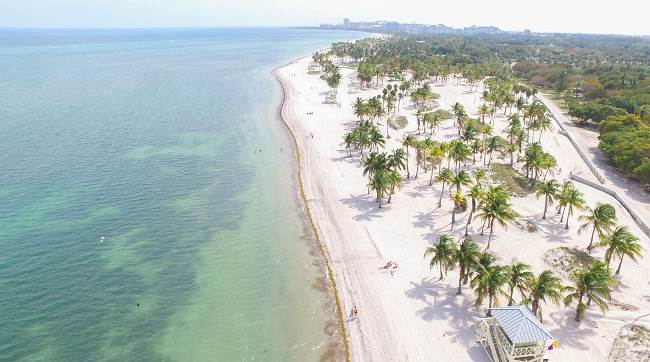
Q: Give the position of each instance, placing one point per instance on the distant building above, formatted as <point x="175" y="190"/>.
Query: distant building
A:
<point x="393" y="27"/>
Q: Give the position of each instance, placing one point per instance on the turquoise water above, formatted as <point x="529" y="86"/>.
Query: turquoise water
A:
<point x="149" y="138"/>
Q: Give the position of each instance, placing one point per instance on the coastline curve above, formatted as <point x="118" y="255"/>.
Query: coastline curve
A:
<point x="310" y="220"/>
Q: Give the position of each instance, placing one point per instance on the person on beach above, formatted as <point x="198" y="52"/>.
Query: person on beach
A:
<point x="387" y="266"/>
<point x="354" y="312"/>
<point x="392" y="271"/>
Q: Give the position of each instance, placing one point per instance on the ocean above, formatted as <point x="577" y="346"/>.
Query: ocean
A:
<point x="148" y="209"/>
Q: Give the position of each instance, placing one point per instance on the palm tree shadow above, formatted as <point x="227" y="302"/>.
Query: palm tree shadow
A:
<point x="366" y="205"/>
<point x="425" y="288"/>
<point x="344" y="155"/>
<point x="554" y="232"/>
<point x="424" y="219"/>
<point x="443" y="303"/>
<point x="571" y="332"/>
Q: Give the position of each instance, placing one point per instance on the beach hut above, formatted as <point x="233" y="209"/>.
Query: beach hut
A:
<point x="513" y="334"/>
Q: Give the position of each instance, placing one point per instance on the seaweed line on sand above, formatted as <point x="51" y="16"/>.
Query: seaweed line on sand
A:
<point x="321" y="246"/>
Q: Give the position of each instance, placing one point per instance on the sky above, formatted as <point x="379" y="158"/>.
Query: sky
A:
<point x="575" y="16"/>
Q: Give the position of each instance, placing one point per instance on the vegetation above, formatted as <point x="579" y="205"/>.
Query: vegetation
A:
<point x="592" y="283"/>
<point x="411" y="63"/>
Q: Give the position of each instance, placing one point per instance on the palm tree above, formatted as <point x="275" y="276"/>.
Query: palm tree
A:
<point x="381" y="184"/>
<point x="566" y="187"/>
<point x="462" y="178"/>
<point x="621" y="243"/>
<point x="601" y="219"/>
<point x="544" y="286"/>
<point x="442" y="253"/>
<point x="419" y="146"/>
<point x="489" y="283"/>
<point x="375" y="163"/>
<point x="408" y="141"/>
<point x="446" y="176"/>
<point x="360" y="109"/>
<point x="467" y="256"/>
<point x="496" y="207"/>
<point x="594" y="283"/>
<point x="459" y="152"/>
<point x="573" y="200"/>
<point x="475" y="194"/>
<point x="518" y="276"/>
<point x="543" y="124"/>
<point x="397" y="159"/>
<point x="483" y="111"/>
<point x="435" y="154"/>
<point x="494" y="143"/>
<point x="376" y="138"/>
<point x="348" y="141"/>
<point x="550" y="190"/>
<point x="478" y="176"/>
<point x="395" y="181"/>
<point x="459" y="205"/>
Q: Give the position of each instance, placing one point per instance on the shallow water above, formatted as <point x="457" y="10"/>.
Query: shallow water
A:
<point x="166" y="142"/>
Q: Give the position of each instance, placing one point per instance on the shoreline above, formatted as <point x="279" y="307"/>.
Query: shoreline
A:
<point x="307" y="210"/>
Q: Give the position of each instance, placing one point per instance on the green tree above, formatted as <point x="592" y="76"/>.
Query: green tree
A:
<point x="573" y="200"/>
<point x="496" y="207"/>
<point x="460" y="204"/>
<point x="408" y="141"/>
<point x="489" y="283"/>
<point x="467" y="256"/>
<point x="446" y="176"/>
<point x="541" y="287"/>
<point x="621" y="243"/>
<point x="600" y="219"/>
<point x="442" y="253"/>
<point x="381" y="184"/>
<point x="476" y="195"/>
<point x="550" y="190"/>
<point x="594" y="283"/>
<point x="518" y="276"/>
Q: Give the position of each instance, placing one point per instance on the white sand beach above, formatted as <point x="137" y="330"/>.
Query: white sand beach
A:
<point x="412" y="315"/>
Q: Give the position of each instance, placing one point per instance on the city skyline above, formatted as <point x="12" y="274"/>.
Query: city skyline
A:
<point x="555" y="16"/>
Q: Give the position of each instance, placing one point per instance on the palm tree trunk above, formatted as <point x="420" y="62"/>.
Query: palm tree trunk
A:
<point x="460" y="279"/>
<point x="490" y="235"/>
<point x="469" y="221"/>
<point x="417" y="166"/>
<point x="545" y="207"/>
<point x="578" y="309"/>
<point x="566" y="227"/>
<point x="618" y="270"/>
<point x="440" y="265"/>
<point x="408" y="173"/>
<point x="591" y="243"/>
<point x="489" y="303"/>
<point x="510" y="301"/>
<point x="441" y="193"/>
<point x="453" y="217"/>
<point x="431" y="176"/>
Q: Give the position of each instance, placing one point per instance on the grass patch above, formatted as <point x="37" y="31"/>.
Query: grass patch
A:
<point x="566" y="260"/>
<point x="398" y="122"/>
<point x="511" y="180"/>
<point x="631" y="344"/>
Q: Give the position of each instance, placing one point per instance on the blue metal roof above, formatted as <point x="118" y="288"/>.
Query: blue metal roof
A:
<point x="520" y="325"/>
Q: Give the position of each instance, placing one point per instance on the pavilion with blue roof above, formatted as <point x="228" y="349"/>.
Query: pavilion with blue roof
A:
<point x="513" y="334"/>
